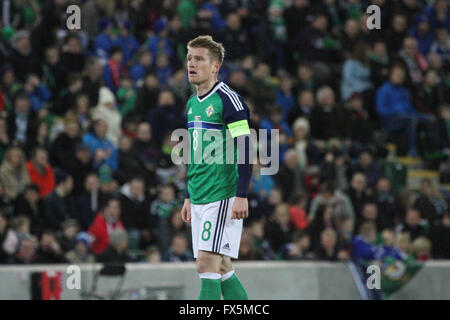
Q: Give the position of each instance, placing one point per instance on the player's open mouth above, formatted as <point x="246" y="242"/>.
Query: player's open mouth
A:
<point x="192" y="72"/>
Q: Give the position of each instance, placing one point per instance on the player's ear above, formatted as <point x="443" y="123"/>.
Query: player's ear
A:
<point x="216" y="67"/>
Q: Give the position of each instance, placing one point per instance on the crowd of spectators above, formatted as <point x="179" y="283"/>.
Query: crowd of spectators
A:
<point x="86" y="117"/>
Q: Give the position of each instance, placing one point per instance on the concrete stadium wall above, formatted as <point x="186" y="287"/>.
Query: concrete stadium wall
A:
<point x="263" y="280"/>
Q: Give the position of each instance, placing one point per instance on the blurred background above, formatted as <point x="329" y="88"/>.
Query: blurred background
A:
<point x="364" y="117"/>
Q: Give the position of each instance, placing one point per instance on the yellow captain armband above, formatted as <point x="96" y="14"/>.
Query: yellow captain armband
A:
<point x="239" y="128"/>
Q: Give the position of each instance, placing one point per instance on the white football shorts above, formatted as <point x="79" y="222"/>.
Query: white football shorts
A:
<point x="213" y="230"/>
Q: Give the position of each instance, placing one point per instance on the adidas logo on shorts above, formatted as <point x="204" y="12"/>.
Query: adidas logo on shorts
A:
<point x="226" y="246"/>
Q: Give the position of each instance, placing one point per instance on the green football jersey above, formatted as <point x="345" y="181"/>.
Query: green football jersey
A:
<point x="214" y="120"/>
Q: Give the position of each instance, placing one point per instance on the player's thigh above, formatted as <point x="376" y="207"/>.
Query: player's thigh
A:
<point x="208" y="262"/>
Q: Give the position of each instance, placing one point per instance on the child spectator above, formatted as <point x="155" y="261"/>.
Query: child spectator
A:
<point x="80" y="253"/>
<point x="297" y="211"/>
<point x="179" y="250"/>
<point x="153" y="255"/>
<point x="299" y="248"/>
<point x="126" y="96"/>
<point x="403" y="242"/>
<point x="389" y="249"/>
<point x="66" y="239"/>
<point x="421" y="249"/>
<point x="364" y="248"/>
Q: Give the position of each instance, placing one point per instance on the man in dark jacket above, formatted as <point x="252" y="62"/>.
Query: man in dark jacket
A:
<point x="22" y="121"/>
<point x="441" y="238"/>
<point x="23" y="57"/>
<point x="62" y="150"/>
<point x="30" y="205"/>
<point x="135" y="208"/>
<point x="59" y="205"/>
<point x="80" y="166"/>
<point x="49" y="251"/>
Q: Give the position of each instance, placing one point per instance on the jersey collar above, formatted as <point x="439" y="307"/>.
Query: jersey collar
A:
<point x="216" y="86"/>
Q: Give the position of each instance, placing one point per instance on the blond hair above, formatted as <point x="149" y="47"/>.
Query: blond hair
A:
<point x="421" y="245"/>
<point x="216" y="49"/>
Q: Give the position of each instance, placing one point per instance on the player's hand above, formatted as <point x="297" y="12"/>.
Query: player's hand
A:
<point x="186" y="211"/>
<point x="240" y="208"/>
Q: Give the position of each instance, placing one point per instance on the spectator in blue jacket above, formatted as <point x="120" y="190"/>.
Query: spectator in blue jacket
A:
<point x="126" y="41"/>
<point x="217" y="22"/>
<point x="163" y="69"/>
<point x="285" y="97"/>
<point x="393" y="105"/>
<point x="356" y="73"/>
<point x="102" y="150"/>
<point x="142" y="67"/>
<point x="439" y="14"/>
<point x="37" y="92"/>
<point x="442" y="46"/>
<point x="389" y="250"/>
<point x="422" y="34"/>
<point x="105" y="40"/>
<point x="159" y="42"/>
<point x="363" y="243"/>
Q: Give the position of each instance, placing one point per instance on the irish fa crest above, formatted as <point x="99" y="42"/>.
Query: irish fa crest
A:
<point x="209" y="110"/>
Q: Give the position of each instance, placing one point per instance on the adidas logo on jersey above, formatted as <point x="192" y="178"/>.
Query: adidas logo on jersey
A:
<point x="226" y="246"/>
<point x="190" y="111"/>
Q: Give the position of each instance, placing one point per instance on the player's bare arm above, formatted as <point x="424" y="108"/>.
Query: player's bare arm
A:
<point x="186" y="211"/>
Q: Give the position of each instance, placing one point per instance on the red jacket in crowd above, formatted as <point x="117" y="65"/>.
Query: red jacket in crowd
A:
<point x="100" y="230"/>
<point x="45" y="182"/>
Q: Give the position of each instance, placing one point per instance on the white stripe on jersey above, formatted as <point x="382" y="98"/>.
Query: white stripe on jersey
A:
<point x="233" y="97"/>
<point x="234" y="94"/>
